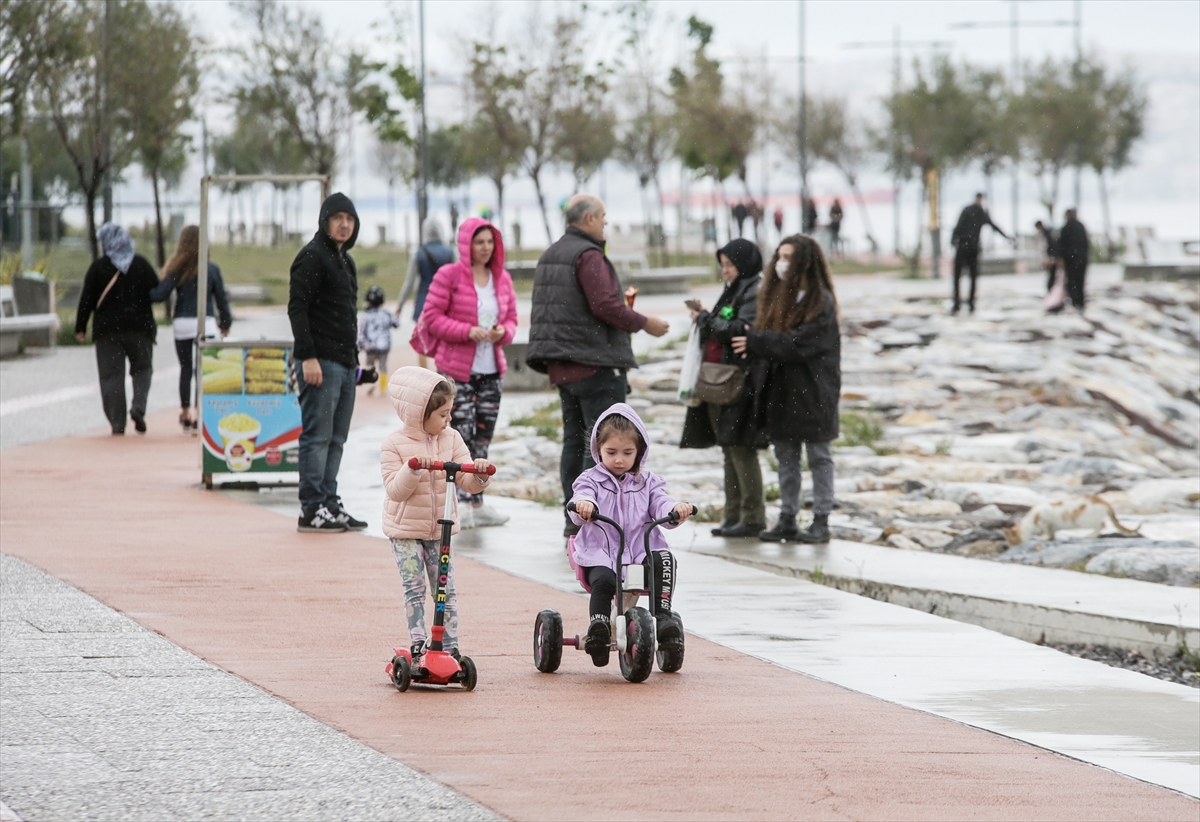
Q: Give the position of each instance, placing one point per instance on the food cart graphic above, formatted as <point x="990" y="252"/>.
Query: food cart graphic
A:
<point x="250" y="420"/>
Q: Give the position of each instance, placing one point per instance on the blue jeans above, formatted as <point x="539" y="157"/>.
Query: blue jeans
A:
<point x="325" y="412"/>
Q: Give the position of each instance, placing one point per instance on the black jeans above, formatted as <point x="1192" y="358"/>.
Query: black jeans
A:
<point x="582" y="402"/>
<point x="112" y="351"/>
<point x="1076" y="274"/>
<point x="970" y="261"/>
<point x="325" y="412"/>
<point x="604" y="587"/>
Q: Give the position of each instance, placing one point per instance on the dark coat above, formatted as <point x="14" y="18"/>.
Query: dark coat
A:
<point x="323" y="293"/>
<point x="798" y="377"/>
<point x="185" y="300"/>
<point x="965" y="236"/>
<point x="1073" y="245"/>
<point x="126" y="307"/>
<point x="562" y="327"/>
<point x="735" y="426"/>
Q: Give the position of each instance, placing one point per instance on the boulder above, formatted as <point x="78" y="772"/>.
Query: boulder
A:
<point x="903" y="543"/>
<point x="1172" y="565"/>
<point x="930" y="508"/>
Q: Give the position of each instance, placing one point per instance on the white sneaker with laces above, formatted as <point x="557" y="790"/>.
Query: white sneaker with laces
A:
<point x="486" y="515"/>
<point x="466" y="516"/>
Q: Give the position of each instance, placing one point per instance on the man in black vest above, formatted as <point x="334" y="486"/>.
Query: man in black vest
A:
<point x="1073" y="250"/>
<point x="579" y="332"/>
<point x="965" y="240"/>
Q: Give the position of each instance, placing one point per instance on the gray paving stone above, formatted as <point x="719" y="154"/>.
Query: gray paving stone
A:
<point x="105" y="720"/>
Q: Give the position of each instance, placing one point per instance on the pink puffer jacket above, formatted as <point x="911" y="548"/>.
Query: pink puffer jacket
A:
<point x="415" y="498"/>
<point x="452" y="308"/>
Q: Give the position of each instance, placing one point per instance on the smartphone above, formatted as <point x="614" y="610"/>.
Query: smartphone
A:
<point x="692" y="304"/>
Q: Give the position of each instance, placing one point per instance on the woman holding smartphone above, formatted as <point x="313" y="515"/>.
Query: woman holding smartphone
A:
<point x="471" y="310"/>
<point x="732" y="426"/>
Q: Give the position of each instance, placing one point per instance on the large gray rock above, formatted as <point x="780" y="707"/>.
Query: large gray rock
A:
<point x="1066" y="552"/>
<point x="1166" y="563"/>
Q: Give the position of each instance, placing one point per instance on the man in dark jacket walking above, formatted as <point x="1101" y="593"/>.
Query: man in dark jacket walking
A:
<point x="965" y="239"/>
<point x="579" y="332"/>
<point x="1073" y="251"/>
<point x="1051" y="256"/>
<point x="323" y="309"/>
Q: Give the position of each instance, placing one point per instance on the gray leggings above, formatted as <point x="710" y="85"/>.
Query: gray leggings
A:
<point x="820" y="462"/>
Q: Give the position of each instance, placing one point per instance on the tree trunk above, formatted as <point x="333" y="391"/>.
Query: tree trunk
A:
<point x="537" y="187"/>
<point x="1108" y="237"/>
<point x="664" y="254"/>
<point x="90" y="207"/>
<point x="158" y="228"/>
<point x="499" y="215"/>
<point x="862" y="206"/>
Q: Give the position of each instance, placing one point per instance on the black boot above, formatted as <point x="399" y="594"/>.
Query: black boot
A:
<point x="744" y="529"/>
<point x="817" y="532"/>
<point x="783" y="531"/>
<point x="597" y="640"/>
<point x="669" y="628"/>
<point x="720" y="530"/>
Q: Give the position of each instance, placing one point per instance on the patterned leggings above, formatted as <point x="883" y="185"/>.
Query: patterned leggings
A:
<point x="476" y="407"/>
<point x="411" y="555"/>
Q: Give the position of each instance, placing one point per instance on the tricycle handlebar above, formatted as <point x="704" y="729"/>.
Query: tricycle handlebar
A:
<point x="454" y="467"/>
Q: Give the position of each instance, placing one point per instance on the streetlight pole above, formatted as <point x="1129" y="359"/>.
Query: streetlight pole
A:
<point x="1015" y="25"/>
<point x="803" y="121"/>
<point x="423" y="192"/>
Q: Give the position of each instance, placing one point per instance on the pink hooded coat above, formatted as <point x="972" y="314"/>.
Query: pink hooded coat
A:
<point x="415" y="498"/>
<point x="452" y="307"/>
<point x="634" y="500"/>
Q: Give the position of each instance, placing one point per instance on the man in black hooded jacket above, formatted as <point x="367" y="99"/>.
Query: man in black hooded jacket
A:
<point x="323" y="309"/>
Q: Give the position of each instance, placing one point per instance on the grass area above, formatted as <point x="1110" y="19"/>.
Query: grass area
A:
<point x="546" y="420"/>
<point x="860" y="429"/>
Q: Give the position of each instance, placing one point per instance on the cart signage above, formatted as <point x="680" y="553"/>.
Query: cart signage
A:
<point x="251" y="414"/>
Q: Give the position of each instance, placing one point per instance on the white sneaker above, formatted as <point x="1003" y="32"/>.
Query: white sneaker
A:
<point x="486" y="515"/>
<point x="466" y="516"/>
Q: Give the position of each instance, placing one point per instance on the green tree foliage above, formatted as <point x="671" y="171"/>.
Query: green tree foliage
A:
<point x="714" y="136"/>
<point x="495" y="139"/>
<point x="300" y="79"/>
<point x="164" y="92"/>
<point x="935" y="123"/>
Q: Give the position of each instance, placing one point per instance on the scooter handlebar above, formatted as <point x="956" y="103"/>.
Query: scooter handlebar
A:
<point x="456" y="467"/>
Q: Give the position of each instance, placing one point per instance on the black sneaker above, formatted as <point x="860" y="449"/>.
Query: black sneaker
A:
<point x="320" y="521"/>
<point x="598" y="638"/>
<point x="350" y="522"/>
<point x="818" y="532"/>
<point x="139" y="421"/>
<point x="454" y="653"/>
<point x="417" y="649"/>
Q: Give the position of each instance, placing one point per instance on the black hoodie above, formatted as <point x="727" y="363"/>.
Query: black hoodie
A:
<point x="323" y="295"/>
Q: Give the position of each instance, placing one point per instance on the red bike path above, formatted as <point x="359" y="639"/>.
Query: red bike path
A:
<point x="311" y="619"/>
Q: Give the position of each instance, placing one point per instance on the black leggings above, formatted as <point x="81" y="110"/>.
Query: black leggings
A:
<point x="186" y="351"/>
<point x="662" y="584"/>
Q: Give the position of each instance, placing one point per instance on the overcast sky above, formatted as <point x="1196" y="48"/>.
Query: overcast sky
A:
<point x="1160" y="39"/>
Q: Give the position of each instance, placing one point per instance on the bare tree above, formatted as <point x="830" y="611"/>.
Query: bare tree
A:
<point x="495" y="139"/>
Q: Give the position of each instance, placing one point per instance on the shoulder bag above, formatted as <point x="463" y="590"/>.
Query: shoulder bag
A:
<point x="720" y="384"/>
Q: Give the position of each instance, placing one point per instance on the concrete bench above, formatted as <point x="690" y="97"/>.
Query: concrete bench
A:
<point x="248" y="293"/>
<point x="520" y="377"/>
<point x="32" y="329"/>
<point x="1164" y="260"/>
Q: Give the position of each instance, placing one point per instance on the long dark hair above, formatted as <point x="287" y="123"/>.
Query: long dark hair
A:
<point x="183" y="262"/>
<point x="778" y="309"/>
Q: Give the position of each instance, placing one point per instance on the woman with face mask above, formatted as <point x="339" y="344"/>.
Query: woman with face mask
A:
<point x="795" y="347"/>
<point x="732" y="426"/>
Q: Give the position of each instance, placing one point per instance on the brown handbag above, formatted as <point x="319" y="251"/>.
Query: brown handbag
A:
<point x="720" y="384"/>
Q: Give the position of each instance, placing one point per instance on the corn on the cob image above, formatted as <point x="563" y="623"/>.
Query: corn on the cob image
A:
<point x="254" y="386"/>
<point x="230" y="354"/>
<point x="211" y="364"/>
<point x="223" y="381"/>
<point x="266" y="353"/>
<point x="257" y="366"/>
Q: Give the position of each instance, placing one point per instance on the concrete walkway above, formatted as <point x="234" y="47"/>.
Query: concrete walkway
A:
<point x="310" y="619"/>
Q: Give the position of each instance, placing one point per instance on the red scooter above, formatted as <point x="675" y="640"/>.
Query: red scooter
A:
<point x="437" y="667"/>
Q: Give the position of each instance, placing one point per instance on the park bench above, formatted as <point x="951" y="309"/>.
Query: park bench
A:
<point x="1164" y="260"/>
<point x="27" y="315"/>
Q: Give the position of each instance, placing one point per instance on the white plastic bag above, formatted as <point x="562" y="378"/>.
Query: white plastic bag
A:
<point x="693" y="355"/>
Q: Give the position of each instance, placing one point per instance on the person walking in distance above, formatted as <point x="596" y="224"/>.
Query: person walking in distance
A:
<point x="835" y="228"/>
<point x="965" y="240"/>
<point x="180" y="275"/>
<point x="431" y="255"/>
<point x="1073" y="249"/>
<point x="1050" y="256"/>
<point x="323" y="309"/>
<point x="580" y="331"/>
<point x="116" y="289"/>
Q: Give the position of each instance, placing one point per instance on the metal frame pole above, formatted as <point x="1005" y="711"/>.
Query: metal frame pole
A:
<point x="803" y="121"/>
<point x="201" y="294"/>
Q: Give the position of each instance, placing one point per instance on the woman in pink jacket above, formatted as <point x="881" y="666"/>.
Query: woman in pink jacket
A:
<point x="471" y="311"/>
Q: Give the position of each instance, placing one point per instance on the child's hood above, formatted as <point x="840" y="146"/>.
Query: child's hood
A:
<point x="631" y="415"/>
<point x="409" y="389"/>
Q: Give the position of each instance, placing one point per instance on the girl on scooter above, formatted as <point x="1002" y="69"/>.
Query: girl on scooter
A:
<point x="620" y="487"/>
<point x="423" y="401"/>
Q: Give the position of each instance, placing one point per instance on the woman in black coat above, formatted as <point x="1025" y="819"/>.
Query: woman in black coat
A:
<point x="732" y="426"/>
<point x="117" y="290"/>
<point x="795" y="349"/>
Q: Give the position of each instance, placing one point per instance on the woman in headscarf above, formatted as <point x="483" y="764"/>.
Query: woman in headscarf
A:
<point x="116" y="290"/>
<point x="732" y="426"/>
<point x="180" y="274"/>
